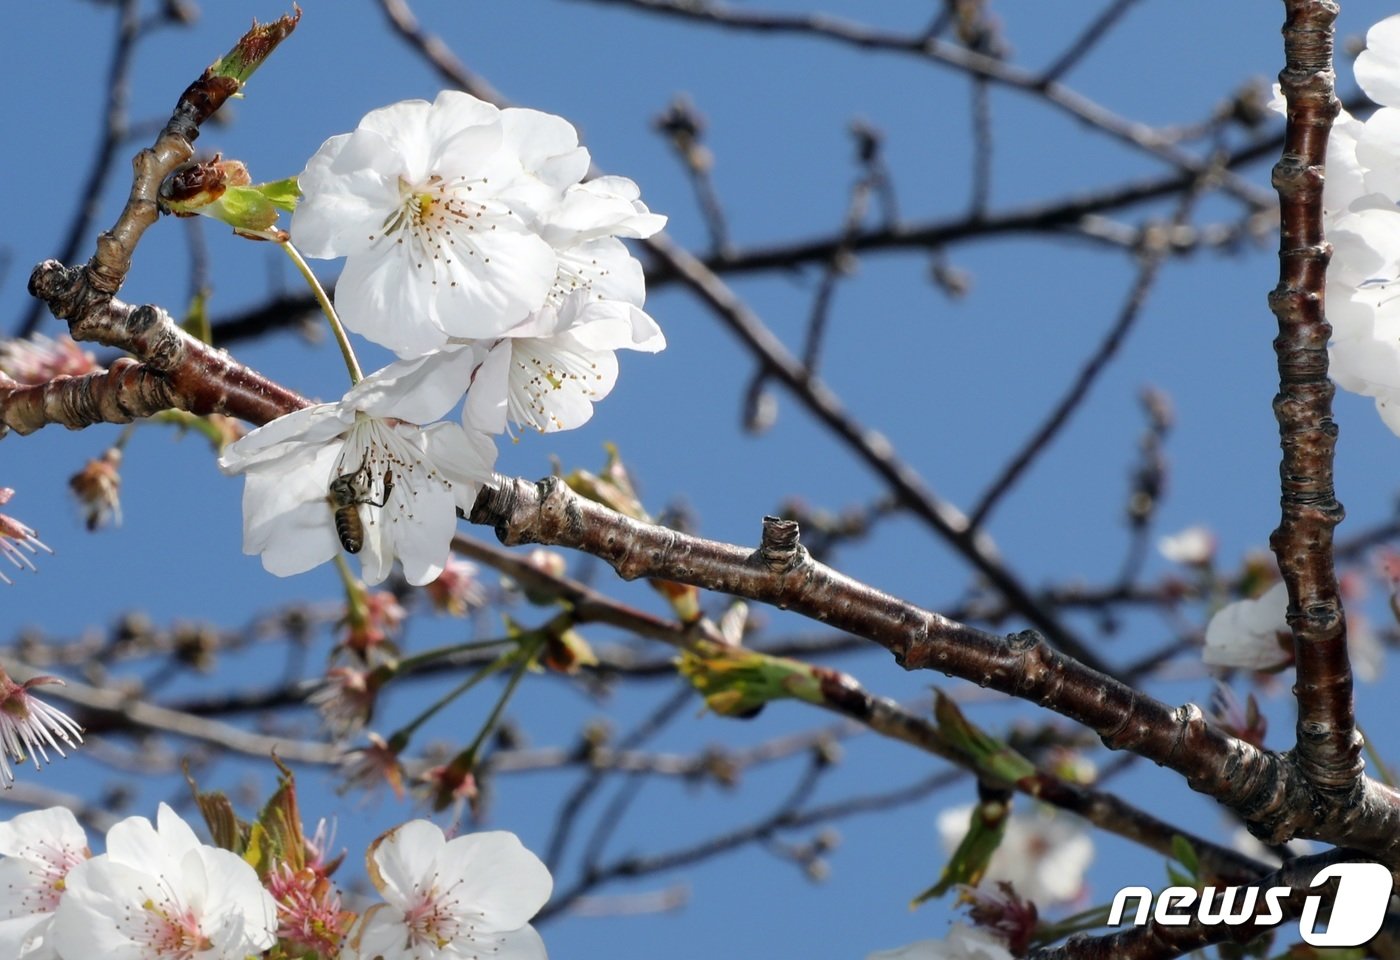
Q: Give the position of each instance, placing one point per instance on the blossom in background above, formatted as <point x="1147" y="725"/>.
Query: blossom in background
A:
<point x="432" y="204"/>
<point x="159" y="893"/>
<point x="1247" y="633"/>
<point x="345" y="698"/>
<point x="29" y="727"/>
<point x="1042" y="855"/>
<point x="414" y="480"/>
<point x="1192" y="547"/>
<point x="367" y="629"/>
<point x="369" y="768"/>
<point x="39" y="359"/>
<point x="39" y="849"/>
<point x="458" y="588"/>
<point x="17" y="540"/>
<point x="456" y="899"/>
<point x="962" y="943"/>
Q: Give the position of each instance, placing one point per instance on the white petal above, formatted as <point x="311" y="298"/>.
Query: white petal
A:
<point x="98" y="891"/>
<point x="286" y="516"/>
<point x="646" y="333"/>
<point x="421" y="534"/>
<point x="241" y="913"/>
<point x="604" y="269"/>
<point x="486" y="404"/>
<point x="404" y="126"/>
<point x="1378" y="66"/>
<point x="28" y="937"/>
<point x="1367" y="365"/>
<point x="607" y="206"/>
<point x="463" y="456"/>
<point x="403" y="858"/>
<point x="1388" y="407"/>
<point x="1378" y="149"/>
<point x="383" y="296"/>
<point x="349" y="189"/>
<point x="554" y="383"/>
<point x="508" y="275"/>
<point x="30" y="835"/>
<point x="1367" y="246"/>
<point x="546" y="144"/>
<point x="315" y="424"/>
<point x="420" y="390"/>
<point x="522" y="944"/>
<point x="497" y="876"/>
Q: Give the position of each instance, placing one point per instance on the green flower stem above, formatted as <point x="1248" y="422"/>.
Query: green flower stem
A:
<point x="401" y="737"/>
<point x="526" y="654"/>
<point x="354" y="593"/>
<point x="346" y="351"/>
<point x="427" y="656"/>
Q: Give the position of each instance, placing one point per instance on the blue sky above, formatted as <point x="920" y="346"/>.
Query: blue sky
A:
<point x="954" y="385"/>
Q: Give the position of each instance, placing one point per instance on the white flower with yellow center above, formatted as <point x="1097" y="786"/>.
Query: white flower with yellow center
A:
<point x="432" y="205"/>
<point x="361" y="475"/>
<point x="459" y="899"/>
<point x="160" y="894"/>
<point x="39" y="848"/>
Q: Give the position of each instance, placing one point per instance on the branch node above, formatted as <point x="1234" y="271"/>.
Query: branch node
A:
<point x="780" y="550"/>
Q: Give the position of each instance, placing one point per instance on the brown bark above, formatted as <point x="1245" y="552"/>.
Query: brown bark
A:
<point x="1329" y="745"/>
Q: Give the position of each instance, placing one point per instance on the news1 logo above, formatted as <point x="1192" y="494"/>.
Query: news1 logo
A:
<point x="1359" y="908"/>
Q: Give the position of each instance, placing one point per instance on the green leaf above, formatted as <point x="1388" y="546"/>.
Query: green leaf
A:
<point x="1185" y="854"/>
<point x="969" y="861"/>
<point x="989" y="754"/>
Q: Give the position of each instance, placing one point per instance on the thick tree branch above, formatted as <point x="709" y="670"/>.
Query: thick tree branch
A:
<point x="1263" y="787"/>
<point x="1329" y="745"/>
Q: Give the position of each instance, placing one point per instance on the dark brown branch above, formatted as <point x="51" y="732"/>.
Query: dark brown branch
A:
<point x="778" y="558"/>
<point x="1329" y="745"/>
<point x="871" y="447"/>
<point x="1265" y="788"/>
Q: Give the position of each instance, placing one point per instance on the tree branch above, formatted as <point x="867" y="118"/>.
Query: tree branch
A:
<point x="1329" y="745"/>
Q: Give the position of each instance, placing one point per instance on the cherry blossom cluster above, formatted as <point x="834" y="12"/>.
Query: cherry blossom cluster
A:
<point x="475" y="252"/>
<point x="1362" y="221"/>
<point x="159" y="893"/>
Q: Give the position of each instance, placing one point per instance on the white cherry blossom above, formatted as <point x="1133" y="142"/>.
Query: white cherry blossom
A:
<point x="39" y="848"/>
<point x="549" y="371"/>
<point x="409" y="481"/>
<point x="1193" y="546"/>
<point x="1043" y="855"/>
<point x="1245" y="634"/>
<point x="432" y="205"/>
<point x="962" y="943"/>
<point x="160" y="894"/>
<point x="545" y="374"/>
<point x="1378" y="66"/>
<point x="584" y="228"/>
<point x="458" y="899"/>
